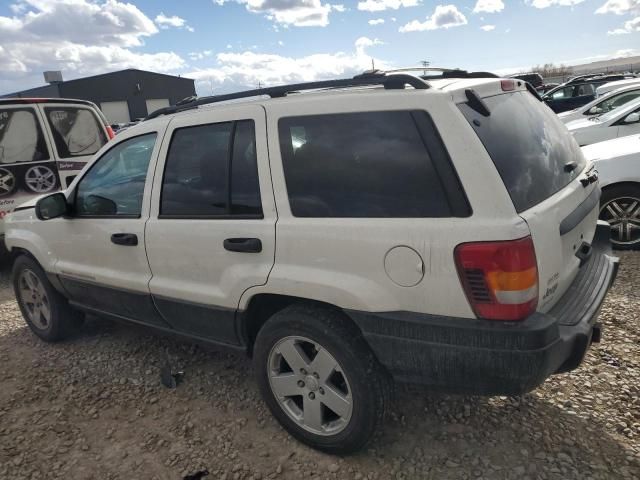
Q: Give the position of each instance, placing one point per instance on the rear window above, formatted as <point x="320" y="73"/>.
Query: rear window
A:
<point x="76" y="131"/>
<point x="528" y="145"/>
<point x="21" y="138"/>
<point x="364" y="164"/>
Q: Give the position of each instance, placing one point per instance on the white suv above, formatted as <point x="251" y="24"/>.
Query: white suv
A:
<point x="440" y="231"/>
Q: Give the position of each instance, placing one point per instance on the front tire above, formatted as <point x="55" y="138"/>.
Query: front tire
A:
<point x="620" y="206"/>
<point x="320" y="379"/>
<point x="46" y="311"/>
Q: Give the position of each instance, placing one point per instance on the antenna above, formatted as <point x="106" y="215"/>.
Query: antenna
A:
<point x="373" y="64"/>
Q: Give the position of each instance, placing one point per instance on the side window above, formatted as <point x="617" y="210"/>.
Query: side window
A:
<point x="563" y="93"/>
<point x="368" y="164"/>
<point x="114" y="185"/>
<point x="21" y="138"/>
<point x="76" y="131"/>
<point x="211" y="171"/>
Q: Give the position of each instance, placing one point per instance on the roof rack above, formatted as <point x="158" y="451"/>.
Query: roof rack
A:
<point x="445" y="73"/>
<point x="29" y="100"/>
<point x="375" y="77"/>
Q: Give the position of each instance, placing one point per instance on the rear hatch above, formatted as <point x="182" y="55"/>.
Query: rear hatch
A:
<point x="542" y="167"/>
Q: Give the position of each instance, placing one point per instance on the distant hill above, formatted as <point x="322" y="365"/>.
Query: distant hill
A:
<point x="616" y="64"/>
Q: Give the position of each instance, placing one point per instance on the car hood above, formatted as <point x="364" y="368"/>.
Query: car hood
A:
<point x="612" y="149"/>
<point x="582" y="123"/>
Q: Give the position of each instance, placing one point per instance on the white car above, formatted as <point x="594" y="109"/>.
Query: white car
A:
<point x="342" y="232"/>
<point x="611" y="86"/>
<point x="620" y="122"/>
<point x="606" y="103"/>
<point x="618" y="164"/>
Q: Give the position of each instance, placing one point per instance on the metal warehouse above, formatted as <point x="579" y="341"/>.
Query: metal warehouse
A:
<point x="122" y="96"/>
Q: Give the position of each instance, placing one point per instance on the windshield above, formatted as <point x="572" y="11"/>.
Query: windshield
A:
<point x="529" y="146"/>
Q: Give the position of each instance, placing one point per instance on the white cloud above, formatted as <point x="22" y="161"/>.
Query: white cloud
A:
<point x="79" y="37"/>
<point x="551" y="3"/>
<point x="444" y="16"/>
<point x="376" y="21"/>
<point x="381" y="5"/>
<point x="488" y="6"/>
<point x="620" y="7"/>
<point x="200" y="55"/>
<point x="488" y="28"/>
<point x="236" y="71"/>
<point x="174" y="21"/>
<point x="630" y="26"/>
<point x="299" y="13"/>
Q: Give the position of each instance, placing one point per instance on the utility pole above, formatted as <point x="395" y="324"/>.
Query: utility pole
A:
<point x="425" y="64"/>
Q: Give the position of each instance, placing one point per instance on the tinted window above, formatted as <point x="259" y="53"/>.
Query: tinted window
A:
<point x="76" y="131"/>
<point x="115" y="183"/>
<point x="21" y="138"/>
<point x="197" y="177"/>
<point x="529" y="146"/>
<point x="245" y="188"/>
<point x="372" y="164"/>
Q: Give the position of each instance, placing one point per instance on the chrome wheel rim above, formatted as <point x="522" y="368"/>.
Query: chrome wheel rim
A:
<point x="7" y="182"/>
<point x="310" y="385"/>
<point x="34" y="299"/>
<point x="40" y="179"/>
<point x="623" y="214"/>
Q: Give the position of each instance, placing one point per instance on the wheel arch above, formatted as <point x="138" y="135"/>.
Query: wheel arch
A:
<point x="626" y="183"/>
<point x="262" y="306"/>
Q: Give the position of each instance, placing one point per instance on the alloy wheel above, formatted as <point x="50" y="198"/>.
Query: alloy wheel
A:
<point x="40" y="179"/>
<point x="623" y="214"/>
<point x="7" y="182"/>
<point x="34" y="299"/>
<point x="310" y="385"/>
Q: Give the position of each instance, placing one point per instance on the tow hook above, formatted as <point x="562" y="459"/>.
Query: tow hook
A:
<point x="596" y="333"/>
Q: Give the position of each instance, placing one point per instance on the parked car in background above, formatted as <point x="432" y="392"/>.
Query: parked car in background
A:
<point x="341" y="237"/>
<point x="620" y="122"/>
<point x="618" y="165"/>
<point x="603" y="104"/>
<point x="44" y="143"/>
<point x="611" y="86"/>
<point x="577" y="92"/>
<point x="535" y="79"/>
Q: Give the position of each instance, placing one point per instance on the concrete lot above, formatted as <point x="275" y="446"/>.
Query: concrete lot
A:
<point x="93" y="407"/>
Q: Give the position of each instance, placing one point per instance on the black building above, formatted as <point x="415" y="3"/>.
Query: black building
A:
<point x="122" y="96"/>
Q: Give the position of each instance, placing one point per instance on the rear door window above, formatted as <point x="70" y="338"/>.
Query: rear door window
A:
<point x="529" y="146"/>
<point x="364" y="164"/>
<point x="211" y="171"/>
<point x="76" y="131"/>
<point x="21" y="138"/>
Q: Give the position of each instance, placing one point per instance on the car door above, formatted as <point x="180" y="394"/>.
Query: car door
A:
<point x="101" y="261"/>
<point x="23" y="150"/>
<point x="76" y="134"/>
<point x="211" y="233"/>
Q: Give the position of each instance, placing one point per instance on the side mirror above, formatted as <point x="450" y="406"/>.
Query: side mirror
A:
<point x="632" y="118"/>
<point x="595" y="111"/>
<point x="52" y="206"/>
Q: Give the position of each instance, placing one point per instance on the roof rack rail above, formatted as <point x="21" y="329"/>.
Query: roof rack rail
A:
<point x="445" y="72"/>
<point x="369" y="78"/>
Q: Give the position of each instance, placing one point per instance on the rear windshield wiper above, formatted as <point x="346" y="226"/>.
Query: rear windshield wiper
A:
<point x="476" y="103"/>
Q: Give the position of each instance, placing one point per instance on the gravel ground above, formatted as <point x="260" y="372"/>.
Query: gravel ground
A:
<point x="93" y="407"/>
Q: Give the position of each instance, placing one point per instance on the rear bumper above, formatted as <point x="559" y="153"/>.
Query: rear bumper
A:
<point x="495" y="358"/>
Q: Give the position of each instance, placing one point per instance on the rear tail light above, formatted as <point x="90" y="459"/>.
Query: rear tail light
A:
<point x="499" y="278"/>
<point x="110" y="132"/>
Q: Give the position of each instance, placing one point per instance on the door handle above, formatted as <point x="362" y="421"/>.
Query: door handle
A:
<point x="249" y="245"/>
<point x="128" y="239"/>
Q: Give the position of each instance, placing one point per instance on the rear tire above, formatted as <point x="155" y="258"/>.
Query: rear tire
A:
<point x="320" y="379"/>
<point x="45" y="310"/>
<point x="620" y="206"/>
